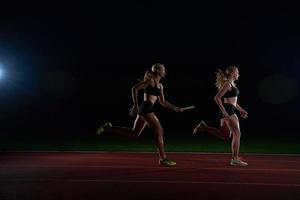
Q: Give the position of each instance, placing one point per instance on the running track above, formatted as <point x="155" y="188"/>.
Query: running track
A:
<point x="120" y="176"/>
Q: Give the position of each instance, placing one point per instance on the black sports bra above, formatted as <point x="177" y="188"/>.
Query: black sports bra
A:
<point x="234" y="92"/>
<point x="155" y="91"/>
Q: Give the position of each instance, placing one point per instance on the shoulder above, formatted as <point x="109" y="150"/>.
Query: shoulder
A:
<point x="140" y="85"/>
<point x="149" y="82"/>
<point x="226" y="84"/>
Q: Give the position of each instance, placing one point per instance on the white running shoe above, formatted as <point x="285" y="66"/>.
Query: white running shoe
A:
<point x="199" y="128"/>
<point x="238" y="162"/>
<point x="107" y="125"/>
<point x="167" y="162"/>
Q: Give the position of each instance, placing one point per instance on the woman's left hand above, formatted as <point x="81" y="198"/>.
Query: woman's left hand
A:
<point x="244" y="114"/>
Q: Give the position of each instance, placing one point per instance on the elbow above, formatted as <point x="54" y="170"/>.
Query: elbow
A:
<point x="133" y="90"/>
<point x="217" y="99"/>
<point x="162" y="102"/>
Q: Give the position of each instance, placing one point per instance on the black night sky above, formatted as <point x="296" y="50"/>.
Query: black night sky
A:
<point x="69" y="67"/>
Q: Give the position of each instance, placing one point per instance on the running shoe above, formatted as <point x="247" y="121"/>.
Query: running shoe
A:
<point x="199" y="128"/>
<point x="238" y="162"/>
<point x="167" y="162"/>
<point x="104" y="127"/>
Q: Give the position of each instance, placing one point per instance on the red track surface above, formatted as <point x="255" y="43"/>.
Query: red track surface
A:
<point x="76" y="175"/>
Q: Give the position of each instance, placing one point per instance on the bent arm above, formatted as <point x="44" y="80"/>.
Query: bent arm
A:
<point x="239" y="107"/>
<point x="219" y="95"/>
<point x="134" y="91"/>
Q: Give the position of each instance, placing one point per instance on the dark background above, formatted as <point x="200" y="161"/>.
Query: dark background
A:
<point x="69" y="67"/>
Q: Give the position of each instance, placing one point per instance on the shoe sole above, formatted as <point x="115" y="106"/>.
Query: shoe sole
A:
<point x="242" y="165"/>
<point x="166" y="165"/>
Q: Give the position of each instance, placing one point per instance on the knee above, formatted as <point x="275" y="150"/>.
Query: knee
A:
<point x="225" y="128"/>
<point x="236" y="134"/>
<point x="159" y="132"/>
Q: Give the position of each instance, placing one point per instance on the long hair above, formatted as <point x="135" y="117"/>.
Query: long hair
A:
<point x="152" y="73"/>
<point x="148" y="75"/>
<point x="222" y="76"/>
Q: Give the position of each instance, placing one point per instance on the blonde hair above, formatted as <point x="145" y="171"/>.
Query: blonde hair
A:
<point x="222" y="76"/>
<point x="157" y="66"/>
<point x="151" y="73"/>
<point x="148" y="75"/>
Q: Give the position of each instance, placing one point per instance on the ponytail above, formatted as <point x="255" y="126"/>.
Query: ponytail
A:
<point x="149" y="74"/>
<point x="222" y="76"/>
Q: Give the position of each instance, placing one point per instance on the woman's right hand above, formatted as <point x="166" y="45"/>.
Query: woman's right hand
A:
<point x="133" y="111"/>
<point x="178" y="109"/>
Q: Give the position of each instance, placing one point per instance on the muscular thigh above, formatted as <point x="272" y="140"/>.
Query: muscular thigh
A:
<point x="152" y="121"/>
<point x="234" y="123"/>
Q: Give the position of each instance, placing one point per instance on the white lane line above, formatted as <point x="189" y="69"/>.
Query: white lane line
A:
<point x="233" y="168"/>
<point x="155" y="182"/>
<point x="170" y="152"/>
<point x="185" y="182"/>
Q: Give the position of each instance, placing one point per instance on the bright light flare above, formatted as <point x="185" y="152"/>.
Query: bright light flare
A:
<point x="1" y="71"/>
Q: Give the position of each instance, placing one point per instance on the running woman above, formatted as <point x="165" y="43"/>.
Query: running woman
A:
<point x="153" y="91"/>
<point x="227" y="100"/>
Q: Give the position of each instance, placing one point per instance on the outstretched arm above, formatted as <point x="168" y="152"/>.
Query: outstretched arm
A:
<point x="165" y="103"/>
